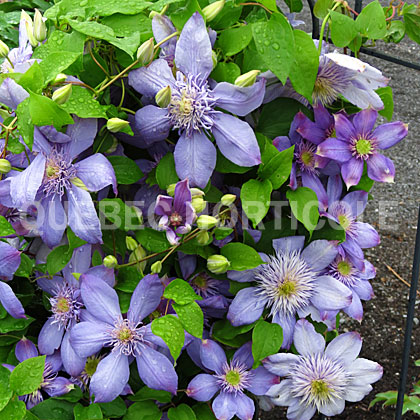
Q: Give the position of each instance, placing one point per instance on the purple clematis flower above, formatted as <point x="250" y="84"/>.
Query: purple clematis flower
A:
<point x="291" y="282"/>
<point x="357" y="142"/>
<point x="321" y="378"/>
<point x="232" y="379"/>
<point x="52" y="178"/>
<point x="177" y="213"/>
<point x="192" y="108"/>
<point x="127" y="337"/>
<point x="52" y="384"/>
<point x="163" y="27"/>
<point x="66" y="307"/>
<point x="9" y="263"/>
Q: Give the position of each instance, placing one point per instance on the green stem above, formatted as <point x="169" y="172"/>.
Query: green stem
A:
<point x="324" y="23"/>
<point x="130" y="111"/>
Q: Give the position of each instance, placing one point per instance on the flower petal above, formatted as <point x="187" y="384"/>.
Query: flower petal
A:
<point x="314" y="183"/>
<point x="319" y="254"/>
<point x="58" y="386"/>
<point x="224" y="406"/>
<point x="280" y="364"/>
<point x="380" y="168"/>
<point x="50" y="337"/>
<point x="10" y="260"/>
<point x="72" y="362"/>
<point x="262" y="380"/>
<point x="345" y="347"/>
<point x="366" y="236"/>
<point x="88" y="338"/>
<point x="355" y="309"/>
<point x="245" y="407"/>
<point x="82" y="134"/>
<point x="236" y="140"/>
<point x="289" y="244"/>
<point x="334" y="189"/>
<point x="388" y="135"/>
<point x="330" y="294"/>
<point x="202" y="387"/>
<point x="352" y="171"/>
<point x="357" y="201"/>
<point x="195" y="158"/>
<point x="287" y="322"/>
<point x="212" y="356"/>
<point x="364" y="121"/>
<point x="193" y="50"/>
<point x="153" y="124"/>
<point x="244" y="355"/>
<point x="344" y="129"/>
<point x="25" y="349"/>
<point x="10" y="302"/>
<point x="365" y="372"/>
<point x="306" y="340"/>
<point x="334" y="149"/>
<point x="110" y="378"/>
<point x="182" y="194"/>
<point x="299" y="411"/>
<point x="333" y="407"/>
<point x="246" y="307"/>
<point x="239" y="100"/>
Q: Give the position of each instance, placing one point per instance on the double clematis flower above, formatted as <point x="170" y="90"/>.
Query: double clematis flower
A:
<point x="358" y="142"/>
<point x="193" y="108"/>
<point x="321" y="378"/>
<point x="104" y="326"/>
<point x="52" y="179"/>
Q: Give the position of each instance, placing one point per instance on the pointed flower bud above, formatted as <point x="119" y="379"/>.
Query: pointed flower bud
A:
<point x="203" y="237"/>
<point x="131" y="243"/>
<point x="24" y="16"/>
<point x="30" y="32"/>
<point x="171" y="189"/>
<point x="205" y="222"/>
<point x="138" y="254"/>
<point x="196" y="192"/>
<point x="5" y="166"/>
<point x="60" y="78"/>
<point x="156" y="267"/>
<point x="247" y="79"/>
<point x="213" y="9"/>
<point x="62" y="95"/>
<point x="228" y="199"/>
<point x="114" y="125"/>
<point x="163" y="97"/>
<point x="218" y="264"/>
<point x="214" y="58"/>
<point x="110" y="261"/>
<point x="198" y="204"/>
<point x="146" y="51"/>
<point x="77" y="182"/>
<point x="4" y="49"/>
<point x="40" y="29"/>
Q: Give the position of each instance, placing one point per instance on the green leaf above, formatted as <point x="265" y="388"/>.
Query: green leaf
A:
<point x="6" y="228"/>
<point x="145" y="393"/>
<point x="330" y="230"/>
<point x="267" y="339"/>
<point x="170" y="329"/>
<point x="225" y="166"/>
<point x="222" y="232"/>
<point x="234" y="40"/>
<point x="304" y="205"/>
<point x="58" y="258"/>
<point x="121" y="215"/>
<point x="304" y="69"/>
<point x="241" y="256"/>
<point x="166" y="172"/>
<point x="182" y="412"/>
<point x="322" y="7"/>
<point x="9" y="323"/>
<point x="343" y="29"/>
<point x="385" y="94"/>
<point x="203" y="412"/>
<point x="125" y="25"/>
<point x="144" y="410"/>
<point x="24" y="123"/>
<point x="255" y="198"/>
<point x="275" y="43"/>
<point x="54" y="409"/>
<point x="412" y="26"/>
<point x="96" y="258"/>
<point x="91" y="412"/>
<point x="226" y="72"/>
<point x="191" y="317"/>
<point x="295" y="6"/>
<point x="82" y="104"/>
<point x="28" y="375"/>
<point x="395" y="32"/>
<point x="128" y="279"/>
<point x="225" y="333"/>
<point x="45" y="111"/>
<point x="33" y="79"/>
<point x="14" y="410"/>
<point x="371" y="21"/>
<point x="152" y="240"/>
<point x="74" y="395"/>
<point x="365" y="182"/>
<point x="25" y="267"/>
<point x="74" y="241"/>
<point x="5" y="391"/>
<point x="276" y="117"/>
<point x="181" y="292"/>
<point x="229" y="15"/>
<point x="126" y="170"/>
<point x="183" y="12"/>
<point x="109" y="7"/>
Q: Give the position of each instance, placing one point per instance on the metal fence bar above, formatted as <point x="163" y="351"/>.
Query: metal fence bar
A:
<point x="409" y="324"/>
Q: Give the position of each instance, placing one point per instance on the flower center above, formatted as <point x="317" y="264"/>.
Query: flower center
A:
<point x="175" y="219"/>
<point x="344" y="268"/>
<point x="200" y="282"/>
<point x="320" y="388"/>
<point x="66" y="305"/>
<point x="344" y="271"/>
<point x="344" y="221"/>
<point x="62" y="305"/>
<point x="235" y="377"/>
<point x="125" y="337"/>
<point x="305" y="156"/>
<point x="91" y="365"/>
<point x="363" y="147"/>
<point x="287" y="282"/>
<point x="191" y="105"/>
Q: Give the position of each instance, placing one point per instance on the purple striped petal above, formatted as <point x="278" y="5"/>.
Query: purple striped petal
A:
<point x="388" y="135"/>
<point x="246" y="307"/>
<point x="10" y="302"/>
<point x="319" y="254"/>
<point x="280" y="364"/>
<point x="306" y="340"/>
<point x="364" y="121"/>
<point x="9" y="261"/>
<point x="202" y="387"/>
<point x="289" y="244"/>
<point x="50" y="336"/>
<point x="212" y="356"/>
<point x="262" y="380"/>
<point x="25" y="349"/>
<point x="380" y="168"/>
<point x="82" y="134"/>
<point x="367" y="236"/>
<point x="88" y="338"/>
<point x="357" y="201"/>
<point x="153" y="124"/>
<point x="344" y="128"/>
<point x="245" y="407"/>
<point x="330" y="294"/>
<point x="352" y="171"/>
<point x="72" y="362"/>
<point x="335" y="149"/>
<point x="225" y="406"/>
<point x="346" y="347"/>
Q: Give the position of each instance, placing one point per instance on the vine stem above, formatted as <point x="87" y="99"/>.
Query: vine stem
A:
<point x="8" y="129"/>
<point x="251" y="3"/>
<point x="324" y="23"/>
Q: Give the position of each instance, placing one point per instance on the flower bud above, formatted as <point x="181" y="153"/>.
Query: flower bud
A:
<point x="139" y="214"/>
<point x="163" y="97"/>
<point x="205" y="222"/>
<point x="153" y="13"/>
<point x="76" y="275"/>
<point x="62" y="95"/>
<point x="247" y="79"/>
<point x="213" y="9"/>
<point x="40" y="29"/>
<point x="146" y="51"/>
<point x="5" y="166"/>
<point x="138" y="254"/>
<point x="24" y="16"/>
<point x="198" y="204"/>
<point x="110" y="261"/>
<point x="4" y="49"/>
<point x="228" y="199"/>
<point x="171" y="189"/>
<point x="218" y="264"/>
<point x="60" y="78"/>
<point x="77" y="182"/>
<point x="196" y="192"/>
<point x="156" y="267"/>
<point x="30" y="32"/>
<point x="114" y="125"/>
<point x="214" y="58"/>
<point x="131" y="243"/>
<point x="203" y="237"/>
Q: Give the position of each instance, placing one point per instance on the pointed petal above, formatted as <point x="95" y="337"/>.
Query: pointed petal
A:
<point x="195" y="158"/>
<point x="82" y="134"/>
<point x="262" y="380"/>
<point x="50" y="337"/>
<point x="224" y="406"/>
<point x="12" y="94"/>
<point x="366" y="236"/>
<point x="212" y="356"/>
<point x="287" y="322"/>
<point x="352" y="171"/>
<point x="388" y="135"/>
<point x="356" y="393"/>
<point x="289" y="244"/>
<point x="25" y="349"/>
<point x="153" y="124"/>
<point x="334" y="149"/>
<point x="162" y="27"/>
<point x="246" y="307"/>
<point x="357" y="201"/>
<point x="193" y="49"/>
<point x="300" y="412"/>
<point x="380" y="168"/>
<point x="236" y="140"/>
<point x="334" y="189"/>
<point x="110" y="378"/>
<point x="72" y="362"/>
<point x="365" y="371"/>
<point x="314" y="183"/>
<point x="202" y="387"/>
<point x="345" y="347"/>
<point x="104" y="273"/>
<point x="58" y="386"/>
<point x="333" y="407"/>
<point x="182" y="194"/>
<point x="146" y="298"/>
<point x="83" y="220"/>
<point x="282" y="143"/>
<point x="330" y="294"/>
<point x="319" y="254"/>
<point x="322" y="117"/>
<point x="52" y="222"/>
<point x="363" y="289"/>
<point x="156" y="371"/>
<point x="306" y="340"/>
<point x="245" y="407"/>
<point x="280" y="364"/>
<point x="344" y="128"/>
<point x="244" y="355"/>
<point x="281" y="393"/>
<point x="10" y="302"/>
<point x="88" y="338"/>
<point x="364" y="120"/>
<point x="239" y="100"/>
<point x="355" y="309"/>
<point x="310" y="130"/>
<point x="163" y="205"/>
<point x="10" y="260"/>
<point x="100" y="299"/>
